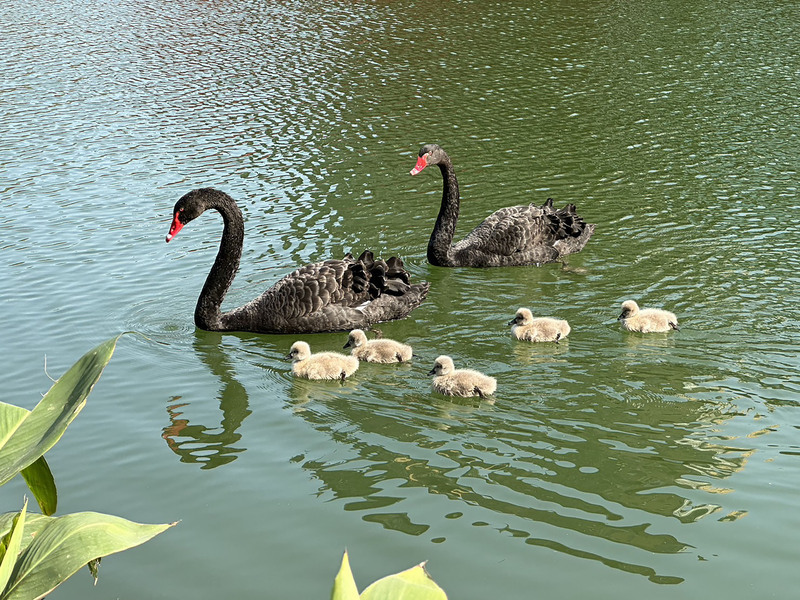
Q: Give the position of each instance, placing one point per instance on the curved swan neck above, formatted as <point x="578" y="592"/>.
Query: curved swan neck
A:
<point x="207" y="313"/>
<point x="445" y="228"/>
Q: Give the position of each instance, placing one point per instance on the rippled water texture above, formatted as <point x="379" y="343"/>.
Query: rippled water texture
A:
<point x="609" y="465"/>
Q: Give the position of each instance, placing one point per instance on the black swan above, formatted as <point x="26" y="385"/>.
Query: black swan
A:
<point x="513" y="236"/>
<point x="334" y="295"/>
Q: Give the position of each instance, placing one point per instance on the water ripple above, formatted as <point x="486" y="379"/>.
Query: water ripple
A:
<point x="674" y="131"/>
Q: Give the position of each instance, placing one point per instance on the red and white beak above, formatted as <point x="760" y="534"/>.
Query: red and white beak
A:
<point x="175" y="227"/>
<point x="422" y="162"/>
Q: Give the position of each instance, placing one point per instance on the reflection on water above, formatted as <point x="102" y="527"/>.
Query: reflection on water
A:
<point x="540" y="353"/>
<point x="566" y="480"/>
<point x="674" y="128"/>
<point x="302" y="391"/>
<point x="209" y="446"/>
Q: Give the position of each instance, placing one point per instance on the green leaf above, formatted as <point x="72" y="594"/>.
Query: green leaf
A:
<point x="344" y="586"/>
<point x="62" y="545"/>
<point x="11" y="417"/>
<point x="37" y="475"/>
<point x="412" y="584"/>
<point x="13" y="545"/>
<point x="42" y="485"/>
<point x="24" y="442"/>
<point x="34" y="523"/>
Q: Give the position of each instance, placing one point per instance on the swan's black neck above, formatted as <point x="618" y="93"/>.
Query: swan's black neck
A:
<point x="445" y="228"/>
<point x="207" y="313"/>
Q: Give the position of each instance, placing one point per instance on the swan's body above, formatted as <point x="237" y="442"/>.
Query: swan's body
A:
<point x="646" y="320"/>
<point x="333" y="295"/>
<point x="322" y="365"/>
<point x="513" y="236"/>
<point x="542" y="329"/>
<point x="378" y="351"/>
<point x="460" y="382"/>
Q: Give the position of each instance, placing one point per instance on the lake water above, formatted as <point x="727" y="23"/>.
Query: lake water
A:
<point x="611" y="465"/>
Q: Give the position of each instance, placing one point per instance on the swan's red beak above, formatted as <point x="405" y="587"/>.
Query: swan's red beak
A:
<point x="421" y="164"/>
<point x="175" y="227"/>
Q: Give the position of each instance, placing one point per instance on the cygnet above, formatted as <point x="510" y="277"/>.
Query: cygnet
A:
<point x="646" y="320"/>
<point x="460" y="382"/>
<point x="322" y="365"/>
<point x="378" y="351"/>
<point x="542" y="329"/>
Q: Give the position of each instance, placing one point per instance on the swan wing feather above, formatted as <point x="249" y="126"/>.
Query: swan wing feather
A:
<point x="336" y="295"/>
<point x="512" y="230"/>
<point x="312" y="287"/>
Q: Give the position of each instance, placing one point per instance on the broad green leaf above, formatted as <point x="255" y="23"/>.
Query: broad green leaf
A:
<point x="42" y="485"/>
<point x="46" y="423"/>
<point x="412" y="584"/>
<point x="65" y="544"/>
<point x="344" y="586"/>
<point x="37" y="475"/>
<point x="12" y="548"/>
<point x="34" y="523"/>
<point x="11" y="417"/>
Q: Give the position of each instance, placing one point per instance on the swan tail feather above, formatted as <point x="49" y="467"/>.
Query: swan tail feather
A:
<point x="389" y="307"/>
<point x="367" y="258"/>
<point x="377" y="279"/>
<point x="356" y="278"/>
<point x="396" y="270"/>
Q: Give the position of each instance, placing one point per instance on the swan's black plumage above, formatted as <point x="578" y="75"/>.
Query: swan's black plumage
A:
<point x="513" y="236"/>
<point x="332" y="295"/>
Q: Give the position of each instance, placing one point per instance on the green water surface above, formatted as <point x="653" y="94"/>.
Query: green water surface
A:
<point x="611" y="465"/>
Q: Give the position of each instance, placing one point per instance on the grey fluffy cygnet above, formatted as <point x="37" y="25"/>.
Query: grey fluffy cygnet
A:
<point x="322" y="365"/>
<point x="460" y="382"/>
<point x="646" y="320"/>
<point x="378" y="351"/>
<point x="542" y="329"/>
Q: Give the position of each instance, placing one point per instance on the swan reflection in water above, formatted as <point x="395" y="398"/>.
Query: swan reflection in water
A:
<point x="210" y="446"/>
<point x="581" y="482"/>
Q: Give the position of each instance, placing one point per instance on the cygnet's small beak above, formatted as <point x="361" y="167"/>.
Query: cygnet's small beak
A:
<point x="433" y="372"/>
<point x="288" y="357"/>
<point x="622" y="316"/>
<point x="512" y="321"/>
<point x="347" y="345"/>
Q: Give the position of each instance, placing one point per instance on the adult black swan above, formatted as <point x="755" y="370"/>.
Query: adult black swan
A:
<point x="334" y="295"/>
<point x="513" y="236"/>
